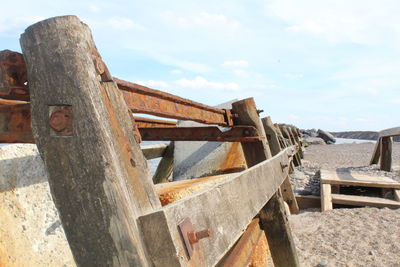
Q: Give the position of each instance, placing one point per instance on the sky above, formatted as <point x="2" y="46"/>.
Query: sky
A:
<point x="328" y="64"/>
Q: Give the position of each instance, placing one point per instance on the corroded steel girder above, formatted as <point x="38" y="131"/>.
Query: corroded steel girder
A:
<point x="234" y="134"/>
<point x="15" y="124"/>
<point x="139" y="99"/>
<point x="13" y="76"/>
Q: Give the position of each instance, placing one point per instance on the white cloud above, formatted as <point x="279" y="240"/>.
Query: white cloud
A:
<point x="160" y="85"/>
<point x="236" y="64"/>
<point x="395" y="101"/>
<point x="176" y="72"/>
<point x="358" y="21"/>
<point x="16" y="25"/>
<point x="202" y="83"/>
<point x="93" y="8"/>
<point x="123" y="24"/>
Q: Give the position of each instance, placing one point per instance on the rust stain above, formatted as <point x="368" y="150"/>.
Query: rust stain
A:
<point x="234" y="161"/>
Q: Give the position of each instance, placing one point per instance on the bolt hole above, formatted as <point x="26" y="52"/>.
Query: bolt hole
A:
<point x="133" y="163"/>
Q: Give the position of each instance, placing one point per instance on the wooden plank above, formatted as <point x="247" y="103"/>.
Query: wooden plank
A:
<point x="308" y="201"/>
<point x="396" y="195"/>
<point x="377" y="152"/>
<point x="365" y="201"/>
<point x="226" y="209"/>
<point x="165" y="167"/>
<point x="97" y="173"/>
<point x="395" y="131"/>
<point x="326" y="197"/>
<point x="154" y="151"/>
<point x="357" y="179"/>
<point x="386" y="154"/>
<point x="241" y="253"/>
<point x="174" y="191"/>
<point x="277" y="233"/>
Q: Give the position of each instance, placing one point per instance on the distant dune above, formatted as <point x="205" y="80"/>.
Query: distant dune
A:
<point x="363" y="135"/>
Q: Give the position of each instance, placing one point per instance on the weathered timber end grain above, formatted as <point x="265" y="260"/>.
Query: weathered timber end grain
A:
<point x="98" y="176"/>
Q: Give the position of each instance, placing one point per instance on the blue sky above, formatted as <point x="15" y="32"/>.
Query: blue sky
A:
<point x="317" y="64"/>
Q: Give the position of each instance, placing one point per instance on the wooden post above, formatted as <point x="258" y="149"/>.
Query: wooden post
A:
<point x="286" y="134"/>
<point x="377" y="152"/>
<point x="386" y="153"/>
<point x="286" y="187"/>
<point x="165" y="167"/>
<point x="272" y="216"/>
<point x="98" y="175"/>
<point x="326" y="197"/>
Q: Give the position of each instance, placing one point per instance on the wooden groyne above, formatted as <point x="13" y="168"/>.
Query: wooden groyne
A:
<point x="60" y="95"/>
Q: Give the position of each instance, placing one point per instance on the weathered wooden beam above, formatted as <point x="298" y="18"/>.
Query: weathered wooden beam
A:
<point x="226" y="209"/>
<point x="241" y="254"/>
<point x="377" y="152"/>
<point x="98" y="176"/>
<point x="166" y="165"/>
<point x="278" y="234"/>
<point x="271" y="218"/>
<point x="286" y="187"/>
<point x="326" y="197"/>
<point x="386" y="154"/>
<point x="395" y="131"/>
<point x="154" y="151"/>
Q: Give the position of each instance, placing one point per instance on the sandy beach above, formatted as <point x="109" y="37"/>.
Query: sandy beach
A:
<point x="345" y="237"/>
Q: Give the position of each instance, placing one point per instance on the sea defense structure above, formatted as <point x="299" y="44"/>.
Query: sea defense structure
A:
<point x="60" y="95"/>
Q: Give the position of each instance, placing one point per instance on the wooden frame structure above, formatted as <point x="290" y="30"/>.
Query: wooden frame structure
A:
<point x="383" y="148"/>
<point x="81" y="119"/>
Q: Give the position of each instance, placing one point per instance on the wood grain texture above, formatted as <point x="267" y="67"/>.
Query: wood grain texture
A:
<point x="386" y="154"/>
<point x="98" y="176"/>
<point x="395" y="131"/>
<point x="226" y="209"/>
<point x="365" y="201"/>
<point x="377" y="152"/>
<point x="357" y="179"/>
<point x="166" y="165"/>
<point x="154" y="151"/>
<point x="326" y="197"/>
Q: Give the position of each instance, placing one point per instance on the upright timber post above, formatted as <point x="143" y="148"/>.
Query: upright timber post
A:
<point x="286" y="187"/>
<point x="386" y="153"/>
<point x="377" y="152"/>
<point x="98" y="175"/>
<point x="273" y="217"/>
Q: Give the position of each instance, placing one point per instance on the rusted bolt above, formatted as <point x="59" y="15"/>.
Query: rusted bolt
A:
<point x="195" y="236"/>
<point x="59" y="120"/>
<point x="260" y="111"/>
<point x="283" y="166"/>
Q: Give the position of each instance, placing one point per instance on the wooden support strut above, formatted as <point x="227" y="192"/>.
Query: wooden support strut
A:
<point x="273" y="217"/>
<point x="98" y="176"/>
<point x="386" y="153"/>
<point x="286" y="187"/>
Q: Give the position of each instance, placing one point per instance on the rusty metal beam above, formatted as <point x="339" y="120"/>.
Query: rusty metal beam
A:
<point x="13" y="76"/>
<point x="142" y="122"/>
<point x="15" y="124"/>
<point x="141" y="99"/>
<point x="234" y="134"/>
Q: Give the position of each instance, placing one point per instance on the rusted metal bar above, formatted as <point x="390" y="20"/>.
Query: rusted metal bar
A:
<point x="13" y="76"/>
<point x="15" y="124"/>
<point x="143" y="122"/>
<point x="235" y="134"/>
<point x="141" y="99"/>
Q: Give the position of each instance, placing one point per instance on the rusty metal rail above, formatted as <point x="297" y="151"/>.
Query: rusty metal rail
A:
<point x="139" y="99"/>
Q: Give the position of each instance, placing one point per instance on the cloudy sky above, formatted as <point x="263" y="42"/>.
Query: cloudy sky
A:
<point x="331" y="64"/>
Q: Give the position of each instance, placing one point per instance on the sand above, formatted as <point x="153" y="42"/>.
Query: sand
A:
<point x="346" y="237"/>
